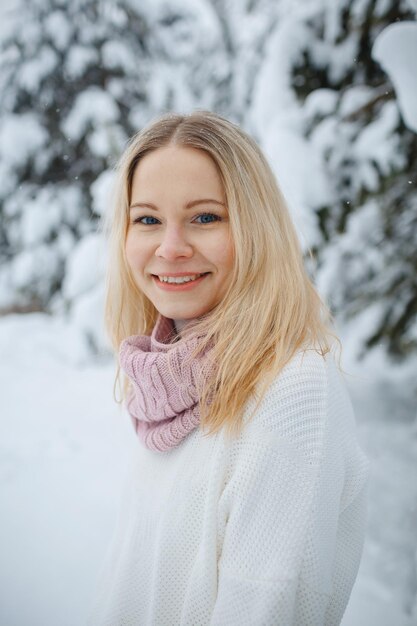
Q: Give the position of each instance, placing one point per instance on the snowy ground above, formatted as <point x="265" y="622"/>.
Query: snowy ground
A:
<point x="64" y="448"/>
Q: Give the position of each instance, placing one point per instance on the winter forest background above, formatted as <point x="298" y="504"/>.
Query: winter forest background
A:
<point x="329" y="90"/>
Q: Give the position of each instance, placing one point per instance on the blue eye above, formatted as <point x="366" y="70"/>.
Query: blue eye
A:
<point x="217" y="218"/>
<point x="138" y="220"/>
<point x="145" y="217"/>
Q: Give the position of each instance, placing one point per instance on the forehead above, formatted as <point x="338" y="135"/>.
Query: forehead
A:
<point x="176" y="169"/>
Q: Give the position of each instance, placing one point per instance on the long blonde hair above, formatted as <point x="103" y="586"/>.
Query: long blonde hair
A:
<point x="271" y="309"/>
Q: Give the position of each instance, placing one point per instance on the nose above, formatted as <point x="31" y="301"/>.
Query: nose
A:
<point x="174" y="244"/>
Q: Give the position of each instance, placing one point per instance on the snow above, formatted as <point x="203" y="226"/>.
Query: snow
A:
<point x="413" y="5"/>
<point x="320" y="102"/>
<point x="65" y="448"/>
<point x="71" y="201"/>
<point x="87" y="316"/>
<point x="7" y="297"/>
<point x="273" y="94"/>
<point x="65" y="241"/>
<point x="78" y="59"/>
<point x="83" y="290"/>
<point x="396" y="50"/>
<point x="62" y="456"/>
<point x="21" y="136"/>
<point x="376" y="148"/>
<point x="332" y="21"/>
<point x="277" y="121"/>
<point x="294" y="160"/>
<point x="36" y="266"/>
<point x="364" y="234"/>
<point x="382" y="6"/>
<point x="378" y="144"/>
<point x="354" y="98"/>
<point x="117" y="55"/>
<point x="359" y="10"/>
<point x="33" y="71"/>
<point x="40" y="219"/>
<point x="85" y="266"/>
<point x="59" y="29"/>
<point x="92" y="107"/>
<point x="337" y="58"/>
<point x="101" y="192"/>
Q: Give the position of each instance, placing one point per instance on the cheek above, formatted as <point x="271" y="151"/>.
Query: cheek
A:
<point x="225" y="256"/>
<point x="134" y="253"/>
<point x="219" y="249"/>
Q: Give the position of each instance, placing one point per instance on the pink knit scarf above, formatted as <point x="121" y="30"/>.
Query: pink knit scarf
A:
<point x="163" y="402"/>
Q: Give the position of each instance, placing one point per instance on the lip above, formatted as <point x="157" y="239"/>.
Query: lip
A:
<point x="177" y="274"/>
<point x="180" y="287"/>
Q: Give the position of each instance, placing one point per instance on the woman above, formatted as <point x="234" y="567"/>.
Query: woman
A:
<point x="247" y="490"/>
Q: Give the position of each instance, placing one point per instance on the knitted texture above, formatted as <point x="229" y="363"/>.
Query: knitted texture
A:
<point x="163" y="402"/>
<point x="265" y="529"/>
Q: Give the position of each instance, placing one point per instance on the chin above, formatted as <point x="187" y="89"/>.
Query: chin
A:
<point x="180" y="312"/>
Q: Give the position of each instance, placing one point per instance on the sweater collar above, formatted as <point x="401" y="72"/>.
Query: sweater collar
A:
<point x="163" y="334"/>
<point x="164" y="399"/>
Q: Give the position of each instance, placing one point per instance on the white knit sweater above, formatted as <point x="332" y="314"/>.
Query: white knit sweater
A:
<point x="265" y="530"/>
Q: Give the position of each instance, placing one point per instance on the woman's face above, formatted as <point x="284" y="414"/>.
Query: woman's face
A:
<point x="179" y="226"/>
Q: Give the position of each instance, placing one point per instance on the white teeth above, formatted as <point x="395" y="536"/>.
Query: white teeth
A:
<point x="178" y="279"/>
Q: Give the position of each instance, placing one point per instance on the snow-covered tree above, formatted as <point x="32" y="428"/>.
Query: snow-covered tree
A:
<point x="334" y="117"/>
<point x="68" y="80"/>
<point x="371" y="157"/>
<point x="77" y="80"/>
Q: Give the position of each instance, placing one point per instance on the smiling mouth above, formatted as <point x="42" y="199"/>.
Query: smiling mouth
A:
<point x="179" y="286"/>
<point x="199" y="275"/>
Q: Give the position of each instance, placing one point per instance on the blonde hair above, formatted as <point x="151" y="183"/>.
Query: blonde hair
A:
<point x="271" y="309"/>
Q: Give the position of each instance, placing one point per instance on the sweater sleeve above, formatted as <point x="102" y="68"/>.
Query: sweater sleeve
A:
<point x="290" y="554"/>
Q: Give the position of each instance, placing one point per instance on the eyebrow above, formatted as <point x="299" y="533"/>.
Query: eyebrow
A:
<point x="189" y="205"/>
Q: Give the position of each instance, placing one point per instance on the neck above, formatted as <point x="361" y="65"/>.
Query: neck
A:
<point x="180" y="324"/>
